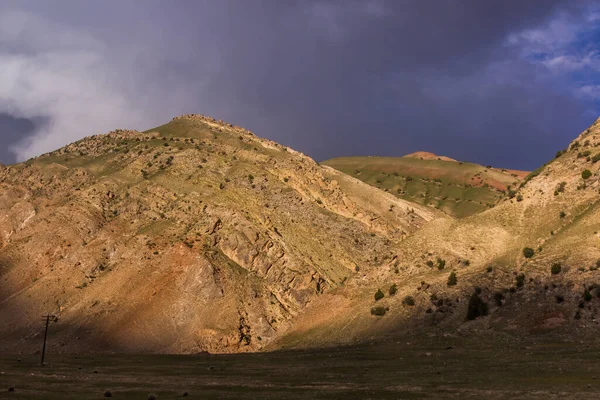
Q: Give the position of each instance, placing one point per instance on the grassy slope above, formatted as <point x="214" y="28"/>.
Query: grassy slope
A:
<point x="459" y="189"/>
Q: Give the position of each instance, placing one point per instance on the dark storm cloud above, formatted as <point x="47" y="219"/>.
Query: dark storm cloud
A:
<point x="12" y="130"/>
<point x="328" y="78"/>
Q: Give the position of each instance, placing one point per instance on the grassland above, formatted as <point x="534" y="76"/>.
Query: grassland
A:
<point x="457" y="188"/>
<point x="413" y="367"/>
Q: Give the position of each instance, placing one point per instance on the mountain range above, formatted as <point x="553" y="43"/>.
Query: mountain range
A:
<point x="199" y="236"/>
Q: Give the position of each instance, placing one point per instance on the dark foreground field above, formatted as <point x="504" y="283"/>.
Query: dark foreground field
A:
<point x="407" y="368"/>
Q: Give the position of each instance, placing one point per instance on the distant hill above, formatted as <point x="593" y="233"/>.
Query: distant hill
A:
<point x="457" y="188"/>
<point x="425" y="155"/>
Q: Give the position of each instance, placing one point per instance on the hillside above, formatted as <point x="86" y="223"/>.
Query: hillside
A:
<point x="555" y="288"/>
<point x="194" y="236"/>
<point x="199" y="236"/>
<point x="457" y="188"/>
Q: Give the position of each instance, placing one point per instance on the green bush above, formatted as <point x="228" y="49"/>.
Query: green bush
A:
<point x="555" y="269"/>
<point x="476" y="308"/>
<point x="587" y="296"/>
<point x="498" y="297"/>
<point x="393" y="289"/>
<point x="582" y="154"/>
<point x="379" y="295"/>
<point x="528" y="252"/>
<point x="441" y="263"/>
<point x="596" y="158"/>
<point x="586" y="174"/>
<point x="409" y="301"/>
<point x="519" y="198"/>
<point x="378" y="310"/>
<point x="452" y="279"/>
<point x="559" y="299"/>
<point x="520" y="280"/>
<point x="562" y="214"/>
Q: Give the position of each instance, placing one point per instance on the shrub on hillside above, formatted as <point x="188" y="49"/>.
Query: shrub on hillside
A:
<point x="378" y="311"/>
<point x="528" y="252"/>
<point x="587" y="296"/>
<point x="393" y="289"/>
<point x="562" y="214"/>
<point x="409" y="301"/>
<point x="586" y="174"/>
<point x="498" y="297"/>
<point x="379" y="295"/>
<point x="441" y="263"/>
<point x="476" y="308"/>
<point x="596" y="158"/>
<point x="520" y="280"/>
<point x="559" y="299"/>
<point x="556" y="268"/>
<point x="452" y="279"/>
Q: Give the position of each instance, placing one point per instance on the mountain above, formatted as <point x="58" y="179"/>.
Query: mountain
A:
<point x="199" y="236"/>
<point x="457" y="188"/>
<point x="528" y="265"/>
<point x="194" y="236"/>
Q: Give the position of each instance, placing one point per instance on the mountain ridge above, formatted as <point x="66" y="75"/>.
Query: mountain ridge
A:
<point x="200" y="236"/>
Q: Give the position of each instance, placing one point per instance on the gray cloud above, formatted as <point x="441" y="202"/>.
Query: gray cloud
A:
<point x="326" y="77"/>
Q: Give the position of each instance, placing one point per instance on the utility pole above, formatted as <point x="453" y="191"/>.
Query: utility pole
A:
<point x="48" y="318"/>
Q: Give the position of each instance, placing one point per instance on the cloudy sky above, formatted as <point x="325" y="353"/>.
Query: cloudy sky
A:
<point x="505" y="83"/>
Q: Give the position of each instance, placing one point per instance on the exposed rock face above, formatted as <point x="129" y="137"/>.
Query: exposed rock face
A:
<point x="197" y="236"/>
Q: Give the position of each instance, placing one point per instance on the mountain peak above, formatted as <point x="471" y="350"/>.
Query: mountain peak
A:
<point x="425" y="155"/>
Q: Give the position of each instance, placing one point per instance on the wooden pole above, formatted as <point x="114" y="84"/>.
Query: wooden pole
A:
<point x="48" y="316"/>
